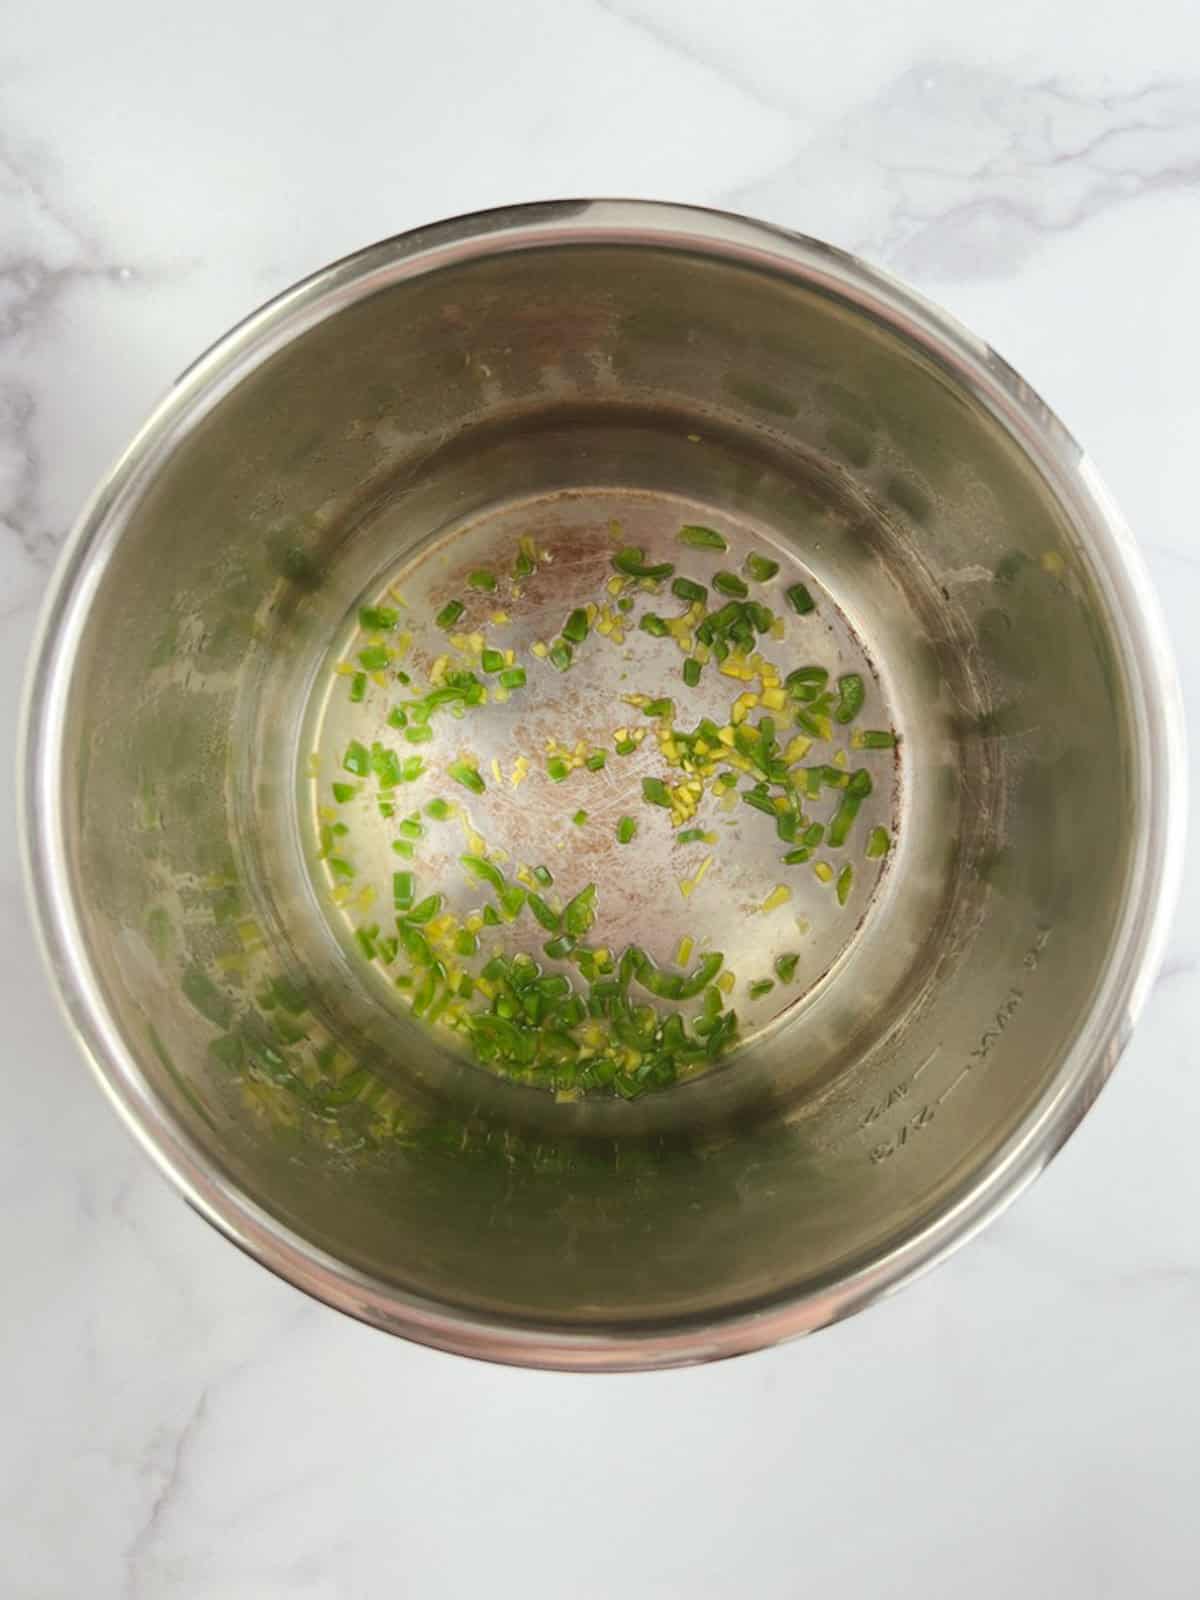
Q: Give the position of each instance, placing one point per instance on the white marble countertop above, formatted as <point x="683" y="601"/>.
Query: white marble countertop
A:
<point x="176" y="1423"/>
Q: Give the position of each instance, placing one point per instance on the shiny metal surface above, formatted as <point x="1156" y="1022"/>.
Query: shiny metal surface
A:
<point x="557" y="364"/>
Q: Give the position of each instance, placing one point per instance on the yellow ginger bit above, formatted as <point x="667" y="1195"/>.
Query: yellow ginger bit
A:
<point x="615" y="584"/>
<point x="797" y="748"/>
<point x="777" y="628"/>
<point x="499" y="618"/>
<point x="326" y="814"/>
<point x="539" y="649"/>
<point x="397" y="596"/>
<point x="497" y="775"/>
<point x="365" y="898"/>
<point x="726" y="735"/>
<point x="742" y="707"/>
<point x="402" y="646"/>
<point x="438" y="670"/>
<point x="841" y="759"/>
<point x="774" y="699"/>
<point x="688" y="886"/>
<point x="779" y="896"/>
<point x="474" y="922"/>
<point x="684" y="954"/>
<point x="726" y="982"/>
<point x="510" y="657"/>
<point x="823" y="871"/>
<point x="486" y="987"/>
<point x="461" y="642"/>
<point x="345" y="669"/>
<point x="520" y="771"/>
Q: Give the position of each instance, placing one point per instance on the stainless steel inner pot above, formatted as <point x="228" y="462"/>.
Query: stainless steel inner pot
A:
<point x="550" y="366"/>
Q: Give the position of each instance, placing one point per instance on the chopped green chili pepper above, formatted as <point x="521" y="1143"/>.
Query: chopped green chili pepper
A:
<point x="524" y="566"/>
<point x="702" y="538"/>
<point x="689" y="836"/>
<point x="467" y="775"/>
<point x="659" y="708"/>
<point x="375" y="657"/>
<point x="653" y="625"/>
<point x="807" y="682"/>
<point x="403" y="889"/>
<point x="873" y="739"/>
<point x="491" y="916"/>
<point x="793" y="858"/>
<point x="761" y="568"/>
<point x="545" y="914"/>
<point x="512" y="898"/>
<point x="559" y="655"/>
<point x="625" y="747"/>
<point x="851" y="695"/>
<point x="814" y="834"/>
<point x="416" y="945"/>
<point x="703" y="974"/>
<point x="344" y="791"/>
<point x="411" y="769"/>
<point x="482" y="579"/>
<point x="626" y="829"/>
<point x="655" y="792"/>
<point x="596" y="761"/>
<point x="580" y="912"/>
<point x="358" y="686"/>
<point x="492" y="660"/>
<point x="466" y="943"/>
<point x="557" y="769"/>
<point x="340" y="867"/>
<point x="579" y="818"/>
<point x="377" y="619"/>
<point x="544" y="876"/>
<point x="556" y="949"/>
<point x="513" y="678"/>
<point x="412" y="827"/>
<point x="426" y="910"/>
<point x="685" y="589"/>
<point x="403" y="848"/>
<point x="800" y="600"/>
<point x="877" y="843"/>
<point x="575" y="628"/>
<point x="730" y="583"/>
<point x="481" y="867"/>
<point x="631" y="560"/>
<point x="356" y="759"/>
<point x="366" y="938"/>
<point x="760" y="987"/>
<point x="785" y="967"/>
<point x="439" y="809"/>
<point x="843" y="818"/>
<point x="421" y="734"/>
<point x="385" y="764"/>
<point x="845" y="879"/>
<point x="691" y="672"/>
<point x="860" y="782"/>
<point x="449" y="614"/>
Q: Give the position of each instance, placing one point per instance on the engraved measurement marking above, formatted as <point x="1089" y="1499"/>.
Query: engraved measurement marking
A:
<point x="1000" y="1020"/>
